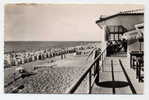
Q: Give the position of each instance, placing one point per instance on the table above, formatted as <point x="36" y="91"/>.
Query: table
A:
<point x="137" y="63"/>
<point x="136" y="54"/>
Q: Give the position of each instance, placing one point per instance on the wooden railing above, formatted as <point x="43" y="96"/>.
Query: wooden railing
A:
<point x="92" y="73"/>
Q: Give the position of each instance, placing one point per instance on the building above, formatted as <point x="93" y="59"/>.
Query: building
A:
<point x="125" y="30"/>
<point x="120" y="24"/>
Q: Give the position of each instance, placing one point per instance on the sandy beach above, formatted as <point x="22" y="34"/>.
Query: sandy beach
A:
<point x="55" y="79"/>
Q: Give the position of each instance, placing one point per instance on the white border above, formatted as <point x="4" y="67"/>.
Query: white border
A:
<point x="78" y="96"/>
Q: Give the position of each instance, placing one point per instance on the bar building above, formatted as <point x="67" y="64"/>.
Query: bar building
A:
<point x="123" y="25"/>
<point x="123" y="36"/>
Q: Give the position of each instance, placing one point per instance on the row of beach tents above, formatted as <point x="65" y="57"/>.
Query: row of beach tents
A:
<point x="15" y="59"/>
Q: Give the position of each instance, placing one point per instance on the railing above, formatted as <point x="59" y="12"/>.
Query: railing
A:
<point x="93" y="76"/>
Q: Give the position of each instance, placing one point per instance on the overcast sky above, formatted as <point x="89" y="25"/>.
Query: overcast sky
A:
<point x="57" y="22"/>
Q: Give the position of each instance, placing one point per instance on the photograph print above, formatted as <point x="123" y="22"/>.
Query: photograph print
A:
<point x="73" y="48"/>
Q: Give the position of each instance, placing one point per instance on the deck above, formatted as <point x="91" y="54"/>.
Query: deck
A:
<point x="117" y="77"/>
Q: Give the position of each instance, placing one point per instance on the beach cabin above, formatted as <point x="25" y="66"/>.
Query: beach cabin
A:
<point x="7" y="60"/>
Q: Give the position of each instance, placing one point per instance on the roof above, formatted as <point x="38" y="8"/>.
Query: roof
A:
<point x="124" y="13"/>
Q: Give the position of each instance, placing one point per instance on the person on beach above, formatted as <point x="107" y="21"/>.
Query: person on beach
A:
<point x="96" y="51"/>
<point x="62" y="56"/>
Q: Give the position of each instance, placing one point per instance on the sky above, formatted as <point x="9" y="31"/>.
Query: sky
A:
<point x="57" y="22"/>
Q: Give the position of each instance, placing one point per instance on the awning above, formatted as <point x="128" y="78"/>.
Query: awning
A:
<point x="130" y="35"/>
<point x="134" y="34"/>
<point x="140" y="30"/>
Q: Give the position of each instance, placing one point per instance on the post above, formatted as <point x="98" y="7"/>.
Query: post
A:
<point x="97" y="71"/>
<point x="97" y="52"/>
<point x="90" y="81"/>
<point x="140" y="46"/>
<point x="102" y="60"/>
<point x="130" y="60"/>
<point x="137" y="70"/>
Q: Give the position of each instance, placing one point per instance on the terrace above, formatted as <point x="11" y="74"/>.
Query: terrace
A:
<point x="113" y="75"/>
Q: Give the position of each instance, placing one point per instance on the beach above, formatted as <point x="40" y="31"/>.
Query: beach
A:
<point x="50" y="75"/>
<point x="56" y="79"/>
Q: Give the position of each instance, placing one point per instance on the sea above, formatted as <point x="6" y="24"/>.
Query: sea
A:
<point x="19" y="46"/>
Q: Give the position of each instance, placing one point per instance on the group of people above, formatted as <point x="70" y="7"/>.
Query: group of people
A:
<point x="116" y="46"/>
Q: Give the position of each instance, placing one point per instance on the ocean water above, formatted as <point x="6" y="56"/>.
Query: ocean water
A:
<point x="19" y="46"/>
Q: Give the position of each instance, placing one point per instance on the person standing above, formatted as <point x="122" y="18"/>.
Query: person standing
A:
<point x="96" y="67"/>
<point x="125" y="45"/>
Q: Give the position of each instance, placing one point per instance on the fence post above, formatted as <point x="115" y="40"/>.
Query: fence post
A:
<point x="102" y="58"/>
<point x="90" y="80"/>
<point x="97" y="52"/>
<point x="97" y="71"/>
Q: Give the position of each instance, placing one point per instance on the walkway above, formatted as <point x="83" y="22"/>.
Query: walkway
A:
<point x="117" y="78"/>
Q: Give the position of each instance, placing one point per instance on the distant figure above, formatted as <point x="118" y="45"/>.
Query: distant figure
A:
<point x="109" y="48"/>
<point x="62" y="56"/>
<point x="97" y="52"/>
<point x="125" y="45"/>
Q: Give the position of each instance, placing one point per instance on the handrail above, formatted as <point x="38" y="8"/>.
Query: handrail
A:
<point x="74" y="87"/>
